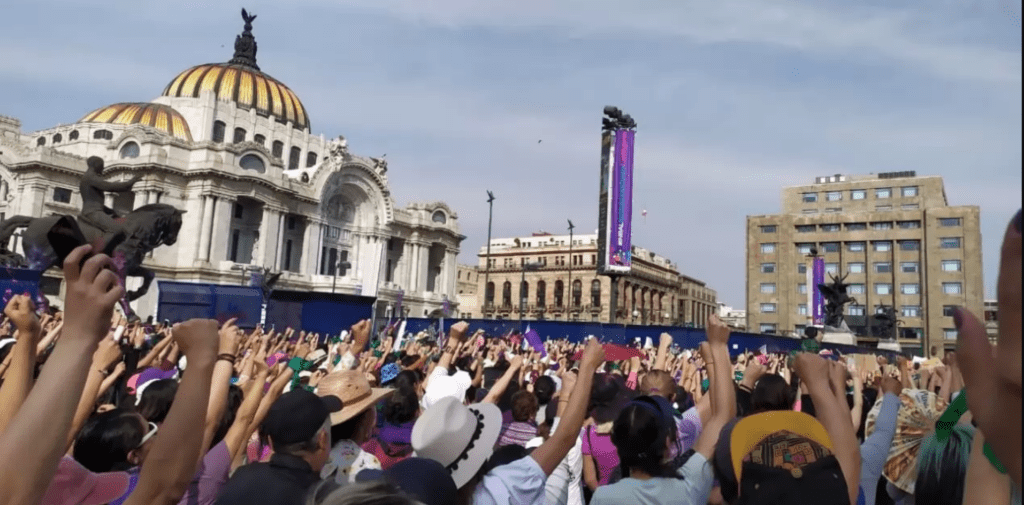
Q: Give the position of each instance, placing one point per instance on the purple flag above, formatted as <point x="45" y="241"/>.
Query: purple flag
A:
<point x="817" y="311"/>
<point x="533" y="338"/>
<point x="446" y="306"/>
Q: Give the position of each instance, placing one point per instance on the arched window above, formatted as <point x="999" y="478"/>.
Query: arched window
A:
<point x="542" y="288"/>
<point x="524" y="293"/>
<point x="219" y="129"/>
<point x="310" y="159"/>
<point x="278" y="149"/>
<point x="577" y="292"/>
<point x="293" y="158"/>
<point x="595" y="293"/>
<point x="58" y="138"/>
<point x="506" y="294"/>
<point x="239" y="136"/>
<point x="41" y="141"/>
<point x="439" y="217"/>
<point x="260" y="139"/>
<point x="102" y="135"/>
<point x="559" y="293"/>
<point x="73" y="135"/>
<point x="252" y="162"/>
<point x="489" y="296"/>
<point x="129" y="150"/>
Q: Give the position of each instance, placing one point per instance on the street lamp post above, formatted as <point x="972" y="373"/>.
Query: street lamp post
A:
<point x="487" y="269"/>
<point x="522" y="283"/>
<point x="571" y="292"/>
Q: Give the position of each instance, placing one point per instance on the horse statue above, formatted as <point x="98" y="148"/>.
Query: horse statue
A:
<point x="836" y="298"/>
<point x="145" y="228"/>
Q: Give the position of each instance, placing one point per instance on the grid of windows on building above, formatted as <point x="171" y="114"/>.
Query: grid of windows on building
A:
<point x="949" y="243"/>
<point x="883" y="267"/>
<point x="948" y="310"/>
<point x="767" y="248"/>
<point x="855" y="310"/>
<point x="949" y="222"/>
<point x="909" y="267"/>
<point x="768" y="327"/>
<point x="810" y="197"/>
<point x="768" y="287"/>
<point x="858" y="194"/>
<point x="805" y="228"/>
<point x="951" y="265"/>
<point x="768" y="307"/>
<point x="910" y="288"/>
<point x="832" y="268"/>
<point x="909" y="191"/>
<point x="881" y="193"/>
<point x="771" y="228"/>
<point x="855" y="246"/>
<point x="855" y="289"/>
<point x="883" y="288"/>
<point x="908" y="225"/>
<point x="856" y="226"/>
<point x="881" y="225"/>
<point x="910" y="245"/>
<point x="767" y="268"/>
<point x="804" y="248"/>
<point x="830" y="227"/>
<point x="949" y="333"/>
<point x="882" y="245"/>
<point x="855" y="268"/>
<point x="952" y="288"/>
<point x="834" y="196"/>
<point x="830" y="247"/>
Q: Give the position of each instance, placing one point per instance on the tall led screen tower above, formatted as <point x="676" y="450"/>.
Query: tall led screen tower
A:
<point x="616" y="205"/>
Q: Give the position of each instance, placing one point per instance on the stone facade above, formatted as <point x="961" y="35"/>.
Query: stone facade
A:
<point x="261" y="193"/>
<point x="561" y="283"/>
<point x="467" y="280"/>
<point x="896" y="236"/>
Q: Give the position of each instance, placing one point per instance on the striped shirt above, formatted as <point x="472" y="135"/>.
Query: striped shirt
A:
<point x="517" y="433"/>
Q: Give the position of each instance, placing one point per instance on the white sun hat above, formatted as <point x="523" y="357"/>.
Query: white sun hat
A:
<point x="459" y="437"/>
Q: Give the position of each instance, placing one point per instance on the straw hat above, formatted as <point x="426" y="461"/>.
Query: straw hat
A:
<point x="354" y="391"/>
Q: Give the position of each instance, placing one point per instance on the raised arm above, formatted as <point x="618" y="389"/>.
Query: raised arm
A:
<point x="107" y="354"/>
<point x="239" y="432"/>
<point x="227" y="339"/>
<point x="501" y="384"/>
<point x="723" y="392"/>
<point x="18" y="380"/>
<point x="172" y="462"/>
<point x="663" y="346"/>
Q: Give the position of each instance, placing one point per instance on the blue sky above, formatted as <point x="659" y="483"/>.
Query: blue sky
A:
<point x="734" y="99"/>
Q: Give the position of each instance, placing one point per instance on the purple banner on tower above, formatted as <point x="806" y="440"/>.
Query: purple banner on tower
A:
<point x="620" y="208"/>
<point x="818" y="308"/>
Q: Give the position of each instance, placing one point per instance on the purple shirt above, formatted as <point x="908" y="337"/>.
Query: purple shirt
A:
<point x="133" y="480"/>
<point x="601" y="448"/>
<point x="211" y="476"/>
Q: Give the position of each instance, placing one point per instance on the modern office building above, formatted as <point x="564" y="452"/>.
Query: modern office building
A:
<point x="895" y="238"/>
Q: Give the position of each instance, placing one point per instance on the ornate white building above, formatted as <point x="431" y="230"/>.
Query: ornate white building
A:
<point x="233" y="147"/>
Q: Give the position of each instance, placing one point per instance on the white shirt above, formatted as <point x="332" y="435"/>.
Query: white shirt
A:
<point x="347" y="459"/>
<point x="520" y="482"/>
<point x="565" y="484"/>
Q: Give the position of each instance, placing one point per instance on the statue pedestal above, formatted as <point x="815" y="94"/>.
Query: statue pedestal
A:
<point x="890" y="345"/>
<point x="839" y="337"/>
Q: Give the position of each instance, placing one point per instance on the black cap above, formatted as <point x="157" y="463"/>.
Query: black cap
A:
<point x="424" y="479"/>
<point x="298" y="415"/>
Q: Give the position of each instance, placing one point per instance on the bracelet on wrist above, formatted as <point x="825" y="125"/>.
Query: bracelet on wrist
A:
<point x="103" y="372"/>
<point x="230" y="358"/>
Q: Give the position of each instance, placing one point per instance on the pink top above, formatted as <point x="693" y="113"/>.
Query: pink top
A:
<point x="601" y="448"/>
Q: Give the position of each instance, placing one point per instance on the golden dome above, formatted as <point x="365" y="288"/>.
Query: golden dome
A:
<point x="159" y="116"/>
<point x="244" y="85"/>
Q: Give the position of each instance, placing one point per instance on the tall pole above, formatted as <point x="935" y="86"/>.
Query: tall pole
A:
<point x="487" y="269"/>
<point x="522" y="296"/>
<point x="614" y="305"/>
<point x="572" y="293"/>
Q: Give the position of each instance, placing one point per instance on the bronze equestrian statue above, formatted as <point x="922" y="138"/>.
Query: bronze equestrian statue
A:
<point x="145" y="228"/>
<point x="836" y="298"/>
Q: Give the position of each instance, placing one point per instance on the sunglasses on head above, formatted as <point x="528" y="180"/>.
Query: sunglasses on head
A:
<point x="153" y="428"/>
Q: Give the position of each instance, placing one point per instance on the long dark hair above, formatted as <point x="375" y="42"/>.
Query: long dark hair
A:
<point x="156" y="400"/>
<point x="640" y="435"/>
<point x="771" y="393"/>
<point x="106" y="439"/>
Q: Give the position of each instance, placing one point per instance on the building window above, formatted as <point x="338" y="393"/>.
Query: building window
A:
<point x="882" y="245"/>
<point x="912" y="333"/>
<point x="577" y="293"/>
<point x="949" y="222"/>
<point x="768" y="328"/>
<point x="73" y="135"/>
<point x="252" y="162"/>
<point x="102" y="135"/>
<point x="949" y="243"/>
<point x="235" y="236"/>
<point x="909" y="191"/>
<point x="834" y="196"/>
<point x="239" y="211"/>
<point x="440" y="218"/>
<point x="239" y="136"/>
<point x="489" y="294"/>
<point x="768" y="287"/>
<point x="855" y="310"/>
<point x="799" y="329"/>
<point x="883" y="208"/>
<point x="910" y="245"/>
<point x="810" y="197"/>
<point x="767" y="268"/>
<point x="856" y="226"/>
<point x="219" y="130"/>
<point x="883" y="288"/>
<point x="278" y="149"/>
<point x="129" y="150"/>
<point x="801" y="288"/>
<point x="882" y="193"/>
<point x="855" y="268"/>
<point x="260" y="139"/>
<point x="293" y="158"/>
<point x="506" y="294"/>
<point x="805" y="228"/>
<point x="801" y="268"/>
<point x="949" y="333"/>
<point x="62" y="195"/>
<point x="768" y="308"/>
<point x="830" y="247"/>
<point x="58" y="138"/>
<point x="856" y="246"/>
<point x="858" y="194"/>
<point x="771" y="228"/>
<point x="830" y="227"/>
<point x="908" y="225"/>
<point x="948" y="310"/>
<point x="910" y="206"/>
<point x="910" y="289"/>
<point x="911" y="311"/>
<point x="804" y="248"/>
<point x="909" y="267"/>
<point x="832" y="268"/>
<point x="767" y="248"/>
<point x="883" y="267"/>
<point x="952" y="288"/>
<point x="855" y="289"/>
<point x="801" y="309"/>
<point x="882" y="225"/>
<point x="951" y="265"/>
<point x="559" y="288"/>
<point x="310" y="159"/>
<point x="288" y="255"/>
<point x="41" y="141"/>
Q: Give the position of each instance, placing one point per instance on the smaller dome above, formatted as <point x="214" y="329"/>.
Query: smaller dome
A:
<point x="159" y="116"/>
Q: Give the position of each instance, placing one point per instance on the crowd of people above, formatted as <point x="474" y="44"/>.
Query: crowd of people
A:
<point x="96" y="410"/>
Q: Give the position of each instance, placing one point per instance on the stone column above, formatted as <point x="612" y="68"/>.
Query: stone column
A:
<point x="449" y="272"/>
<point x="220" y="239"/>
<point x="309" y="240"/>
<point x="279" y="240"/>
<point x="206" y="229"/>
<point x="425" y="267"/>
<point x="263" y="243"/>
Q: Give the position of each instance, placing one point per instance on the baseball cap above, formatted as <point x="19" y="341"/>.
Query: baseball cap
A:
<point x="73" y="484"/>
<point x="298" y="415"/>
<point x="779" y="458"/>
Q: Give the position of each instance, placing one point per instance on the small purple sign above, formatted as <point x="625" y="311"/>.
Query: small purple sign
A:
<point x="819" y="299"/>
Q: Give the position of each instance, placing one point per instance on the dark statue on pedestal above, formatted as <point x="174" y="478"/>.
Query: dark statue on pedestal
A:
<point x="886" y="320"/>
<point x="144" y="229"/>
<point x="836" y="298"/>
<point x="245" y="44"/>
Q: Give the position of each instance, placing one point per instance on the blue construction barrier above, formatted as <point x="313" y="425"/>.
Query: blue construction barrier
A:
<point x="181" y="301"/>
<point x="18" y="281"/>
<point x="323" y="313"/>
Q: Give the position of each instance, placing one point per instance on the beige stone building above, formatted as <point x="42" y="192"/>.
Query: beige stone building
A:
<point x="553" y="279"/>
<point x="467" y="278"/>
<point x="895" y="236"/>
